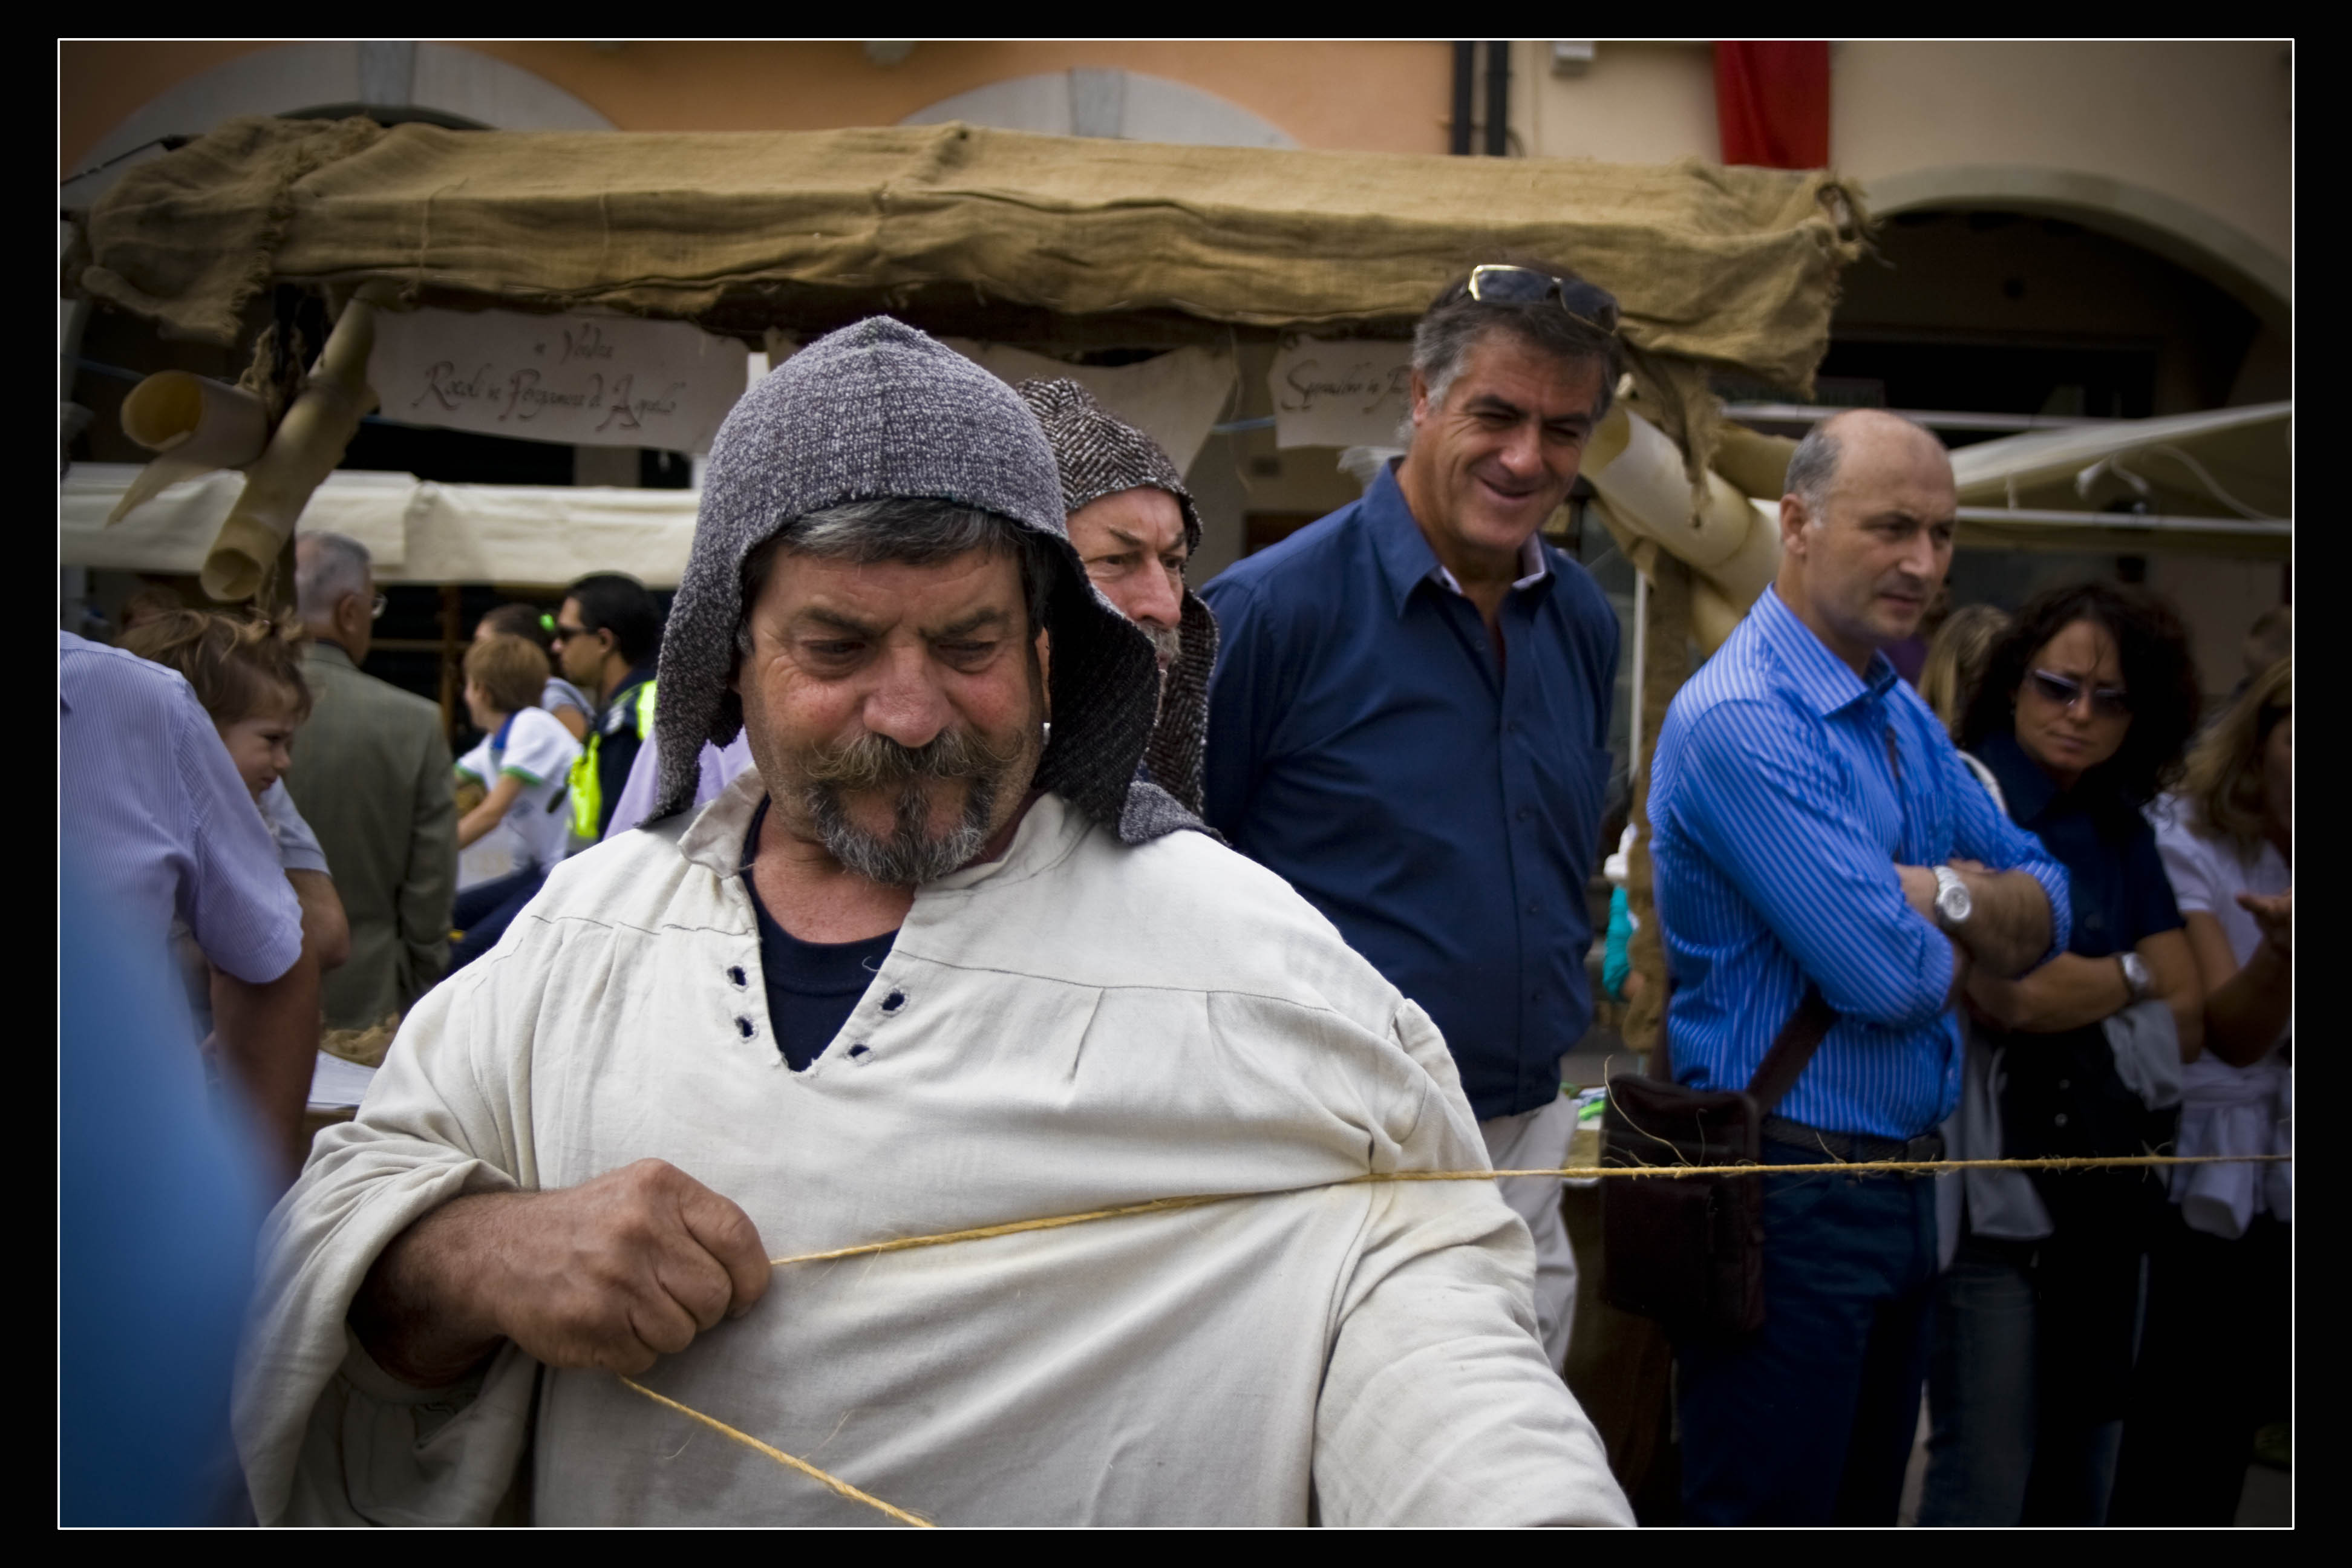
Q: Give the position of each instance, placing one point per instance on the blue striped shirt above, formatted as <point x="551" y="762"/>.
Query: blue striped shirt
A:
<point x="1778" y="815"/>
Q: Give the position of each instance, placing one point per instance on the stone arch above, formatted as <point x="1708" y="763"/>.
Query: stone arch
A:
<point x="394" y="79"/>
<point x="2223" y="253"/>
<point x="1124" y="104"/>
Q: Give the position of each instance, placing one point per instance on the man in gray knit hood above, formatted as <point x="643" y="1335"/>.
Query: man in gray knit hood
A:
<point x="1134" y="526"/>
<point x="920" y="973"/>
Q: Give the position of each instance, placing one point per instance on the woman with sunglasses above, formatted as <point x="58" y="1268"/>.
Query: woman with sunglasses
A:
<point x="2214" y="1362"/>
<point x="2085" y="704"/>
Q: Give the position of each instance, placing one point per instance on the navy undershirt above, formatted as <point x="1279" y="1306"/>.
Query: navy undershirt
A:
<point x="813" y="986"/>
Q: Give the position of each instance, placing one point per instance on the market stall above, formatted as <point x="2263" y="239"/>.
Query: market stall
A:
<point x="1121" y="254"/>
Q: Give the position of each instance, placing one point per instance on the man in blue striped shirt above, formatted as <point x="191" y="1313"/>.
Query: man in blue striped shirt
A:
<point x="1812" y="826"/>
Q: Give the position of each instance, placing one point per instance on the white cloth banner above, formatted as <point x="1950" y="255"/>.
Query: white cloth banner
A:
<point x="416" y="531"/>
<point x="1343" y="393"/>
<point x="1173" y="397"/>
<point x="171" y="532"/>
<point x="584" y="381"/>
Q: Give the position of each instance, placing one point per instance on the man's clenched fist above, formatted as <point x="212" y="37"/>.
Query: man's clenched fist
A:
<point x="611" y="1274"/>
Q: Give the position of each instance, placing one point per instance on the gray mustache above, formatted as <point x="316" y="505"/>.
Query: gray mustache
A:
<point x="876" y="762"/>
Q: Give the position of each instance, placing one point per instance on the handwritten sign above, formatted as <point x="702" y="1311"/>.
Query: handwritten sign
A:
<point x="583" y="380"/>
<point x="1171" y="397"/>
<point x="1340" y="394"/>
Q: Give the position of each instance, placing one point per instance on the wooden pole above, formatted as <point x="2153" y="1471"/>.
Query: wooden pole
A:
<point x="449" y="613"/>
<point x="1665" y="664"/>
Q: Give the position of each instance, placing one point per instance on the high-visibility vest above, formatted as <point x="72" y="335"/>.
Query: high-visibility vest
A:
<point x="587" y="783"/>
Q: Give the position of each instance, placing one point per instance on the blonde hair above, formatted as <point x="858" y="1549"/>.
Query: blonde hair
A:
<point x="239" y="666"/>
<point x="2223" y="785"/>
<point x="1957" y="660"/>
<point x="511" y="672"/>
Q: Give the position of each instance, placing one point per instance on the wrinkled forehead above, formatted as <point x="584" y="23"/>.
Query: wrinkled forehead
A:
<point x="1145" y="515"/>
<point x="954" y="590"/>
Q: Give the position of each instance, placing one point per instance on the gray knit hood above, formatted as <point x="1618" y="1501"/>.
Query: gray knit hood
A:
<point x="1100" y="455"/>
<point x="879" y="410"/>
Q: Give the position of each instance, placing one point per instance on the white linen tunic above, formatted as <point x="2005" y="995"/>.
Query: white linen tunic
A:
<point x="1075" y="1026"/>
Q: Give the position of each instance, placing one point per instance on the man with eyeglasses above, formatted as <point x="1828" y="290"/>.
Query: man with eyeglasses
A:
<point x="372" y="776"/>
<point x="607" y="634"/>
<point x="1818" y="844"/>
<point x="1409" y="719"/>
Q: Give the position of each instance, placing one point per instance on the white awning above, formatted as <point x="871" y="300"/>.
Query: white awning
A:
<point x="417" y="530"/>
<point x="2226" y="463"/>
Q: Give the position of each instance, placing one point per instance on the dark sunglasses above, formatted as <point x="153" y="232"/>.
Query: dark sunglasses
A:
<point x="2107" y="701"/>
<point x="1499" y="284"/>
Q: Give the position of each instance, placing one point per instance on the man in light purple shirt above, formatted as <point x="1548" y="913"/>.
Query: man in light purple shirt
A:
<point x="161" y="828"/>
<point x="720" y="764"/>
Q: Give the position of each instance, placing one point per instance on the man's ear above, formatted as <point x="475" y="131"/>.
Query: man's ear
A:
<point x="1421" y="409"/>
<point x="1793" y="519"/>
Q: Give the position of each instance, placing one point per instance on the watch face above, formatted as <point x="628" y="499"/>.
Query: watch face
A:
<point x="1955" y="903"/>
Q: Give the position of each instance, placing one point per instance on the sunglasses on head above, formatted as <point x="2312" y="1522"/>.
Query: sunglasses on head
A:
<point x="1501" y="284"/>
<point x="2064" y="691"/>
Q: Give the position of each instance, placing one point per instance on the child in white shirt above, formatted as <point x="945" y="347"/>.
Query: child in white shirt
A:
<point x="524" y="762"/>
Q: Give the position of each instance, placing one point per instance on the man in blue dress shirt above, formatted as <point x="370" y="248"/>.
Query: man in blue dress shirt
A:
<point x="1812" y="825"/>
<point x="1409" y="717"/>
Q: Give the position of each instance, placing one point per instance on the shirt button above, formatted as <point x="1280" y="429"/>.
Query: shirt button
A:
<point x="743" y="1026"/>
<point x="1525" y="814"/>
<point x="735" y="972"/>
<point x="2066" y="1083"/>
<point x="892" y="1002"/>
<point x="2059" y="1119"/>
<point x="1533" y="907"/>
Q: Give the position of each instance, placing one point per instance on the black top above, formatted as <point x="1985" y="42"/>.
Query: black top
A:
<point x="616" y="741"/>
<point x="813" y="986"/>
<point x="2062" y="1094"/>
<point x="2120" y="892"/>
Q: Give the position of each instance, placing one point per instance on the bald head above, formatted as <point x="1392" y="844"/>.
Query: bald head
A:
<point x="1874" y="437"/>
<point x="1865" y="530"/>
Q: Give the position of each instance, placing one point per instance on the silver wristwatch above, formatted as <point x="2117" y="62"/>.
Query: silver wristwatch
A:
<point x="2136" y="978"/>
<point x="1953" y="903"/>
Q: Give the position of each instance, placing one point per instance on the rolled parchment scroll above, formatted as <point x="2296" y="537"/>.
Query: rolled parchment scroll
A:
<point x="307" y="446"/>
<point x="194" y="424"/>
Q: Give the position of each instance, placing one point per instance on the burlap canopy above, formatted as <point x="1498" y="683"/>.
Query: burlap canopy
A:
<point x="1732" y="266"/>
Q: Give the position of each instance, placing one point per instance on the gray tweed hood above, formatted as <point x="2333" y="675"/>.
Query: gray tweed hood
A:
<point x="876" y="410"/>
<point x="1100" y="455"/>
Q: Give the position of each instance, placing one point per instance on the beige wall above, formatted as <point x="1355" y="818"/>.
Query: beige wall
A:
<point x="1638" y="102"/>
<point x="1381" y="97"/>
<point x="2206" y="128"/>
<point x="2207" y="124"/>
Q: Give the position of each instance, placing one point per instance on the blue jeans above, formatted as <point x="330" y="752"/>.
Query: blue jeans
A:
<point x="484" y="911"/>
<point x="1810" y="1419"/>
<point x="2009" y="1444"/>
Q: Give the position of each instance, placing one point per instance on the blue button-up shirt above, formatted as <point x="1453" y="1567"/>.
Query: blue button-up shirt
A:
<point x="1785" y="792"/>
<point x="1440" y="808"/>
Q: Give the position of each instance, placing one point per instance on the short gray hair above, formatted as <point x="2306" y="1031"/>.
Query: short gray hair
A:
<point x="1812" y="468"/>
<point x="1456" y="322"/>
<point x="916" y="529"/>
<point x="326" y="567"/>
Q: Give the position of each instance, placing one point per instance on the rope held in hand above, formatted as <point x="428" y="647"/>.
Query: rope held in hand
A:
<point x="1572" y="1173"/>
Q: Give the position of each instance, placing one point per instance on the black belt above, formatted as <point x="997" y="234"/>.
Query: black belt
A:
<point x="1850" y="1147"/>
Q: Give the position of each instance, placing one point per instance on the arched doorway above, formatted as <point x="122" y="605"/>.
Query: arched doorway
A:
<point x="1128" y="105"/>
<point x="2042" y="310"/>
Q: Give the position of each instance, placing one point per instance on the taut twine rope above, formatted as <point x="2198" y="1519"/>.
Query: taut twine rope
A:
<point x="1574" y="1172"/>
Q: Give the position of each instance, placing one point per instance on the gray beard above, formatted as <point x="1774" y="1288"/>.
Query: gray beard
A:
<point x="905" y="857"/>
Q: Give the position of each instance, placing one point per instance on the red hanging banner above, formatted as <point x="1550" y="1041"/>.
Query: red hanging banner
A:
<point x="1772" y="103"/>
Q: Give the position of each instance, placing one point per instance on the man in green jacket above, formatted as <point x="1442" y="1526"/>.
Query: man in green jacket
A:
<point x="372" y="776"/>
